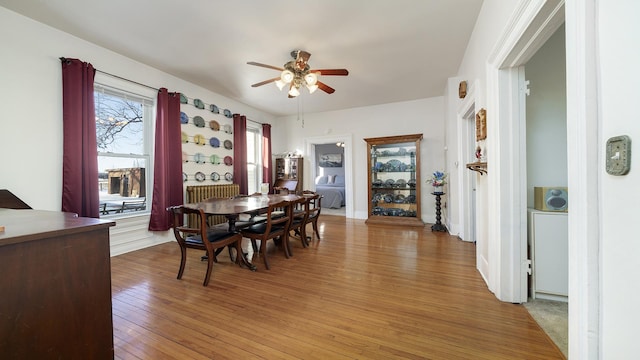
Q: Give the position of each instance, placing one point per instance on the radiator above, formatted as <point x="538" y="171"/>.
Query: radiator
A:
<point x="197" y="193"/>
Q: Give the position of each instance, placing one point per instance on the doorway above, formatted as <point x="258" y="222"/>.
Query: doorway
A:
<point x="346" y="140"/>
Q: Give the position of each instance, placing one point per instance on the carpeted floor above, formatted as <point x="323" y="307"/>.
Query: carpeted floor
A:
<point x="552" y="316"/>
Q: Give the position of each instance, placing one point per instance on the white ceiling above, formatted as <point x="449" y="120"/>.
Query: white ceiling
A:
<point x="395" y="50"/>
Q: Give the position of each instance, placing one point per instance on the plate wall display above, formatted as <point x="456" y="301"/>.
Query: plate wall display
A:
<point x="401" y="183"/>
<point x="185" y="137"/>
<point x="214" y="109"/>
<point x="411" y="183"/>
<point x="183" y="99"/>
<point x="227" y="113"/>
<point x="228" y="160"/>
<point x="185" y="157"/>
<point x="184" y="176"/>
<point x="228" y="176"/>
<point x="200" y="176"/>
<point x="198" y="103"/>
<point x="389" y="182"/>
<point x="214" y="159"/>
<point x="228" y="144"/>
<point x="184" y="119"/>
<point x="199" y="139"/>
<point x="215" y="176"/>
<point x="214" y="125"/>
<point x="198" y="121"/>
<point x="199" y="158"/>
<point x="227" y="129"/>
<point x="214" y="142"/>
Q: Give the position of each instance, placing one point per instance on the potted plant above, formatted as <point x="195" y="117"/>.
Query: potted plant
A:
<point x="438" y="180"/>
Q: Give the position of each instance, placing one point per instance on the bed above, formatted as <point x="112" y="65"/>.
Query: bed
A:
<point x="331" y="188"/>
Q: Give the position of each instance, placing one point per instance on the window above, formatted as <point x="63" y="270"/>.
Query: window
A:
<point x="254" y="157"/>
<point x="123" y="132"/>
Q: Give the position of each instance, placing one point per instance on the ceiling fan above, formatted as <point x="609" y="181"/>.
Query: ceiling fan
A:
<point x="297" y="73"/>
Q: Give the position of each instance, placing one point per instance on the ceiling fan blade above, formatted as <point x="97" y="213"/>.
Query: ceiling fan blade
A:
<point x="265" y="65"/>
<point x="265" y="82"/>
<point x="341" y="72"/>
<point x="326" y="88"/>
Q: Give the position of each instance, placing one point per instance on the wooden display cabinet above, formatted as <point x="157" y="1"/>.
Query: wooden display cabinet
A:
<point x="393" y="180"/>
<point x="290" y="169"/>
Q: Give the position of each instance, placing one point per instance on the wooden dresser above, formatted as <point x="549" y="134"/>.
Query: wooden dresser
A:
<point x="55" y="276"/>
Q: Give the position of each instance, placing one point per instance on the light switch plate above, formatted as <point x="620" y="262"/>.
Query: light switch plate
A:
<point x="619" y="155"/>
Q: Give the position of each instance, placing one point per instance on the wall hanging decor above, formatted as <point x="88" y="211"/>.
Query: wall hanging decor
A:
<point x="481" y="125"/>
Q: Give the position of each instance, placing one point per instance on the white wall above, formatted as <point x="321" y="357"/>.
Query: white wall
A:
<point x="412" y="117"/>
<point x="619" y="53"/>
<point x="31" y="113"/>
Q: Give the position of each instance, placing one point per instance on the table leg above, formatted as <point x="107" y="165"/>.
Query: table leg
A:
<point x="241" y="258"/>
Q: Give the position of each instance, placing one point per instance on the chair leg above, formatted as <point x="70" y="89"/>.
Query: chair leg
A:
<point x="303" y="236"/>
<point x="286" y="245"/>
<point x="183" y="261"/>
<point x="263" y="250"/>
<point x="315" y="228"/>
<point x="210" y="261"/>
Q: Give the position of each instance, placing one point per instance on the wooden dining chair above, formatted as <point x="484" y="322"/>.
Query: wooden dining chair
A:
<point x="315" y="206"/>
<point x="201" y="237"/>
<point x="275" y="227"/>
<point x="299" y="214"/>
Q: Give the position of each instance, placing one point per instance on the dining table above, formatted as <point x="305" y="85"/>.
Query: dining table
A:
<point x="233" y="207"/>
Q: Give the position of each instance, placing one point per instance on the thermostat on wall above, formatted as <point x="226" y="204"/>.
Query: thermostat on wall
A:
<point x="618" y="155"/>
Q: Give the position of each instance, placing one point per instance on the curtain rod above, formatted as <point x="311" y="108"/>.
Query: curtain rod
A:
<point x="63" y="59"/>
<point x="259" y="123"/>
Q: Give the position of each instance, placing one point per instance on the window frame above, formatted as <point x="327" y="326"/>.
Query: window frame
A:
<point x="148" y="97"/>
<point x="256" y="130"/>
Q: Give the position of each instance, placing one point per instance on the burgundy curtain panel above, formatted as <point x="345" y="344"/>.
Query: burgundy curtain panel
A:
<point x="80" y="192"/>
<point x="266" y="155"/>
<point x="240" y="152"/>
<point x="167" y="164"/>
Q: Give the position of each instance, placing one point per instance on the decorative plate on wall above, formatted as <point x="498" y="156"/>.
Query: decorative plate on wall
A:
<point x="185" y="137"/>
<point x="199" y="139"/>
<point x="227" y="129"/>
<point x="214" y="142"/>
<point x="214" y="125"/>
<point x="228" y="176"/>
<point x="198" y="103"/>
<point x="199" y="158"/>
<point x="184" y="119"/>
<point x="227" y="113"/>
<point x="214" y="159"/>
<point x="184" y="176"/>
<point x="185" y="156"/>
<point x="228" y="160"/>
<point x="198" y="121"/>
<point x="214" y="109"/>
<point x="200" y="176"/>
<point x="215" y="176"/>
<point x="228" y="144"/>
<point x="183" y="99"/>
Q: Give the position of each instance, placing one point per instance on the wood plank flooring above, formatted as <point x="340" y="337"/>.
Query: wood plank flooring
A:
<point x="361" y="292"/>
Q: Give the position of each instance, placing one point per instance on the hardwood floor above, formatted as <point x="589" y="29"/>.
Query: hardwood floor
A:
<point x="362" y="292"/>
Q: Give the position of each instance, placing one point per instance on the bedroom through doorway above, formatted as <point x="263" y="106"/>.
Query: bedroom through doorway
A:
<point x="330" y="173"/>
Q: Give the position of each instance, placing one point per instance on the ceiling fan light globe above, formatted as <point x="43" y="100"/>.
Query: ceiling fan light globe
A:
<point x="294" y="91"/>
<point x="280" y="84"/>
<point x="311" y="78"/>
<point x="286" y="76"/>
<point x="312" y="88"/>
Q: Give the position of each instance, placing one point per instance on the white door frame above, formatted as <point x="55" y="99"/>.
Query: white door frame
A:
<point x="532" y="25"/>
